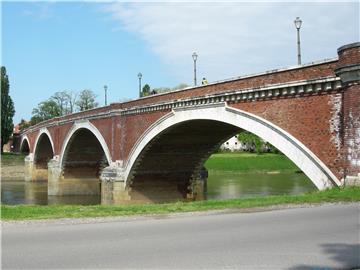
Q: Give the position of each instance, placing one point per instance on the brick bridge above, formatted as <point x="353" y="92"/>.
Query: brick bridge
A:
<point x="311" y="113"/>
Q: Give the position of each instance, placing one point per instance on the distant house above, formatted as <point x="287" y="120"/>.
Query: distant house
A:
<point x="13" y="140"/>
<point x="232" y="144"/>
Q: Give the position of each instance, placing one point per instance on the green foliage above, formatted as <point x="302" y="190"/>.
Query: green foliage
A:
<point x="11" y="159"/>
<point x="252" y="140"/>
<point x="145" y="90"/>
<point x="247" y="162"/>
<point x="23" y="212"/>
<point x="24" y="124"/>
<point x="168" y="89"/>
<point x="7" y="109"/>
<point x="86" y="100"/>
<point x="46" y="110"/>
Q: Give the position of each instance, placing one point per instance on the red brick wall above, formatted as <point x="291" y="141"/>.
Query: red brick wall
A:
<point x="133" y="126"/>
<point x="352" y="130"/>
<point x="313" y="120"/>
<point x="349" y="56"/>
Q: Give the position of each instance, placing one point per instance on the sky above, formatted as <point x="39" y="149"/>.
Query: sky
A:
<point x="71" y="46"/>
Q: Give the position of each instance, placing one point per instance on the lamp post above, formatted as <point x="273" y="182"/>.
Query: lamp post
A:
<point x="194" y="56"/>
<point x="139" y="76"/>
<point x="297" y="23"/>
<point x="105" y="89"/>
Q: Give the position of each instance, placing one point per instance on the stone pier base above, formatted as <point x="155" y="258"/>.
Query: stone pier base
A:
<point x="59" y="185"/>
<point x="32" y="173"/>
<point x="352" y="181"/>
<point x="113" y="188"/>
<point x="54" y="177"/>
<point x="198" y="185"/>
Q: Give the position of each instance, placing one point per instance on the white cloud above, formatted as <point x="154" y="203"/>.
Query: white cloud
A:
<point x="237" y="37"/>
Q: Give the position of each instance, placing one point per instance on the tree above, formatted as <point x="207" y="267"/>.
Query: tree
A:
<point x="168" y="89"/>
<point x="61" y="98"/>
<point x="7" y="109"/>
<point x="46" y="110"/>
<point x="86" y="100"/>
<point x="72" y="97"/>
<point x="24" y="124"/>
<point x="66" y="101"/>
<point x="251" y="140"/>
<point x="145" y="90"/>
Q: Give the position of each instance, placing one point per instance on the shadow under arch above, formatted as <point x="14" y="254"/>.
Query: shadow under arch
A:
<point x="218" y="116"/>
<point x="43" y="153"/>
<point x="83" y="156"/>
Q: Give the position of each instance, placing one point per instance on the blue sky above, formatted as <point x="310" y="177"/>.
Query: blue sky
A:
<point x="55" y="46"/>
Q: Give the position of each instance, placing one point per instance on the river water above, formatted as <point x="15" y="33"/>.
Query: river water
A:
<point x="220" y="185"/>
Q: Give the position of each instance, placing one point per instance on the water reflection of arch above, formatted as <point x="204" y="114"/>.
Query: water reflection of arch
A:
<point x="307" y="161"/>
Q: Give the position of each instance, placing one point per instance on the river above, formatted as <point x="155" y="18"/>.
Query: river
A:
<point x="220" y="185"/>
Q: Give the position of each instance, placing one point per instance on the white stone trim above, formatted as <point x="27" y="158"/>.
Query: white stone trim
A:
<point x="312" y="166"/>
<point x="89" y="126"/>
<point x="23" y="138"/>
<point x="41" y="132"/>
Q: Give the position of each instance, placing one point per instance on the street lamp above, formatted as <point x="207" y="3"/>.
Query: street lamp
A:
<point x="194" y="56"/>
<point x="297" y="23"/>
<point x="105" y="89"/>
<point x="139" y="76"/>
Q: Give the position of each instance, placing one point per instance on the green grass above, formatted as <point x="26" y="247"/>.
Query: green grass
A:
<point x="12" y="159"/>
<point x="248" y="162"/>
<point x="23" y="212"/>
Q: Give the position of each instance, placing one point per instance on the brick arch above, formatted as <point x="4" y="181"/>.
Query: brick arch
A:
<point x="43" y="132"/>
<point x="307" y="161"/>
<point x="24" y="139"/>
<point x="90" y="127"/>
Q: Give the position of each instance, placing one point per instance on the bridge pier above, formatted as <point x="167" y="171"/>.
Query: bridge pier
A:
<point x="348" y="69"/>
<point x="198" y="185"/>
<point x="113" y="187"/>
<point x="29" y="167"/>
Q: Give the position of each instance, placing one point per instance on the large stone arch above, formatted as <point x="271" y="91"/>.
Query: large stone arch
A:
<point x="307" y="161"/>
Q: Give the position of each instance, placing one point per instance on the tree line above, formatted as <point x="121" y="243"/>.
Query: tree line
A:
<point x="59" y="104"/>
<point x="146" y="90"/>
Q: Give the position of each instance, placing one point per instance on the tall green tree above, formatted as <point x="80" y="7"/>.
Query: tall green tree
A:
<point x="7" y="109"/>
<point x="145" y="90"/>
<point x="86" y="100"/>
<point x="46" y="110"/>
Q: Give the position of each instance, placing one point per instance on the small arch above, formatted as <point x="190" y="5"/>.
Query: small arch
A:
<point x="25" y="145"/>
<point x="85" y="125"/>
<point x="83" y="156"/>
<point x="307" y="161"/>
<point x="44" y="150"/>
<point x="42" y="132"/>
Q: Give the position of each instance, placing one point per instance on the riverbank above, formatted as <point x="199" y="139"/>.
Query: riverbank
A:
<point x="30" y="212"/>
<point x="243" y="162"/>
<point x="12" y="166"/>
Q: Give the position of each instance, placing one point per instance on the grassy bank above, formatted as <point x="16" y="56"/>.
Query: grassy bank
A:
<point x="22" y="212"/>
<point x="248" y="162"/>
<point x="11" y="159"/>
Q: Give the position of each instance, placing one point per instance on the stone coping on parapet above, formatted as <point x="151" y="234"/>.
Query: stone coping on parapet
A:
<point x="349" y="46"/>
<point x="295" y="88"/>
<point x="104" y="109"/>
<point x="314" y="63"/>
